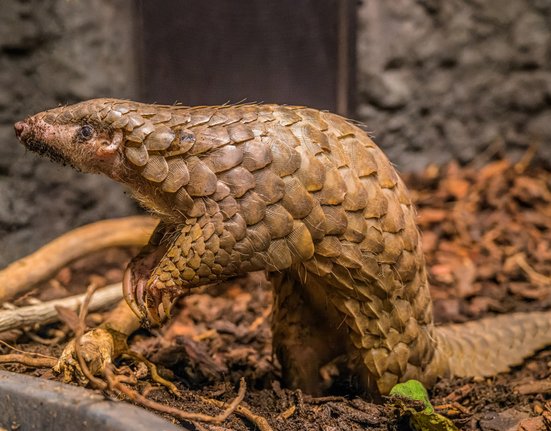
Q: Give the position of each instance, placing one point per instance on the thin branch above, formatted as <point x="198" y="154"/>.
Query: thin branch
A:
<point x="260" y="422"/>
<point x="16" y="358"/>
<point x="46" y="311"/>
<point x="15" y="349"/>
<point x="173" y="411"/>
<point x="534" y="276"/>
<point x="98" y="383"/>
<point x="155" y="376"/>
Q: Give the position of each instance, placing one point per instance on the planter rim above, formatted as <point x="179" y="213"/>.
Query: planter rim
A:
<point x="33" y="403"/>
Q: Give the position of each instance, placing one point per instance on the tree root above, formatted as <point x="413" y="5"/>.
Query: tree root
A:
<point x="29" y="361"/>
<point x="260" y="422"/>
<point x="153" y="371"/>
<point x="22" y="275"/>
<point x="34" y="360"/>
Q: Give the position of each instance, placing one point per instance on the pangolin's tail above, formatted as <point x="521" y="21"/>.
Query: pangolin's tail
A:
<point x="491" y="345"/>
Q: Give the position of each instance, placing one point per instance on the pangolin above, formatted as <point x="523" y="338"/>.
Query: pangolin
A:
<point x="304" y="195"/>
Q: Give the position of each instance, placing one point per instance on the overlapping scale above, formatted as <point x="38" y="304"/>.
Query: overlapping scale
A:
<point x="298" y="192"/>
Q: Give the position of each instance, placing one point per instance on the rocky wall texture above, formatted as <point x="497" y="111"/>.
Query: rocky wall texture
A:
<point x="455" y="79"/>
<point x="52" y="52"/>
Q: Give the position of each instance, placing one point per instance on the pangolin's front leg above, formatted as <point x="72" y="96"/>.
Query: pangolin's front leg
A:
<point x="307" y="333"/>
<point x="307" y="329"/>
<point x="178" y="257"/>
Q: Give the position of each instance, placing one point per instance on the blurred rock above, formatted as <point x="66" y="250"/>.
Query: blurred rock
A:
<point x="388" y="91"/>
<point x="56" y="52"/>
<point x="443" y="80"/>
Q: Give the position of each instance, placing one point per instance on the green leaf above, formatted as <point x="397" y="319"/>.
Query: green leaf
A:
<point x="412" y="400"/>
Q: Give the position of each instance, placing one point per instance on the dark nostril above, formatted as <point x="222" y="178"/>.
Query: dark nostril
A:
<point x="20" y="128"/>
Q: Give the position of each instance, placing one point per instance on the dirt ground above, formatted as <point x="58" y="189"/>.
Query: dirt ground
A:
<point x="487" y="237"/>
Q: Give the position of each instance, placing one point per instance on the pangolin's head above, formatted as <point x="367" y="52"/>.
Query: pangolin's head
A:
<point x="85" y="135"/>
<point x="141" y="145"/>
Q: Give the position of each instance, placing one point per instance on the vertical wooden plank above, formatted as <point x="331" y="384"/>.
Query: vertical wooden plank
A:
<point x="218" y="51"/>
<point x="346" y="57"/>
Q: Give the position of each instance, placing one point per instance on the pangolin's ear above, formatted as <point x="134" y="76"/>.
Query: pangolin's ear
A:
<point x="108" y="148"/>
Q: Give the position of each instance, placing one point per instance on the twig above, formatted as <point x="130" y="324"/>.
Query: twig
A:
<point x="526" y="158"/>
<point x="205" y="334"/>
<point x="46" y="311"/>
<point x="15" y="349"/>
<point x="534" y="276"/>
<point x="22" y="275"/>
<point x="153" y="371"/>
<point x="260" y="319"/>
<point x="448" y="408"/>
<point x="81" y="327"/>
<point x="322" y="400"/>
<point x="177" y="413"/>
<point x="46" y="341"/>
<point x="260" y="422"/>
<point x="16" y="358"/>
<point x="486" y="155"/>
<point x="30" y="359"/>
<point x="288" y="413"/>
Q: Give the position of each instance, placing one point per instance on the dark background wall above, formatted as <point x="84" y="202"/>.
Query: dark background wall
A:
<point x="52" y="52"/>
<point x="451" y="79"/>
<point x="280" y="51"/>
<point x="436" y="80"/>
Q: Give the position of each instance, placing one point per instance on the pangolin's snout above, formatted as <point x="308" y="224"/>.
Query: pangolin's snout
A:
<point x="22" y="129"/>
<point x="34" y="136"/>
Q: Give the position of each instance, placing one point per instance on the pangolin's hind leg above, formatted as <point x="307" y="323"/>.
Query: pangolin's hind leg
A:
<point x="306" y="333"/>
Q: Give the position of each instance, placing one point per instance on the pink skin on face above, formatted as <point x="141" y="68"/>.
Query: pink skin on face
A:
<point x="96" y="151"/>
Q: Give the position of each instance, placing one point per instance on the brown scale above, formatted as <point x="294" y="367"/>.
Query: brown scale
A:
<point x="307" y="196"/>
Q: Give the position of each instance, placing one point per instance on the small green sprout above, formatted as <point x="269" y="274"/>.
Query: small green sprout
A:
<point x="411" y="399"/>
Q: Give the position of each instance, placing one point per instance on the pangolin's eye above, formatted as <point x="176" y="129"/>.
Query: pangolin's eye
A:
<point x="86" y="132"/>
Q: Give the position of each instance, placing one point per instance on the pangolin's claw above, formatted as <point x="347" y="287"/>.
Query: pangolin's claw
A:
<point x="167" y="302"/>
<point x="129" y="293"/>
<point x="159" y="304"/>
<point x="139" y="296"/>
<point x="151" y="303"/>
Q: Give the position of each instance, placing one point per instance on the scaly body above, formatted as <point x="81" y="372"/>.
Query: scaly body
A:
<point x="306" y="196"/>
